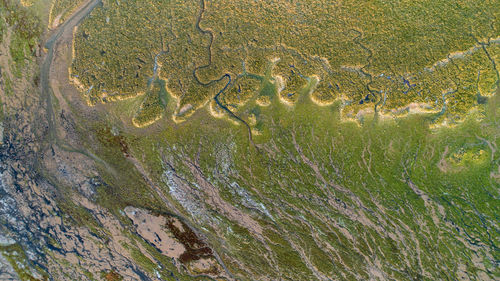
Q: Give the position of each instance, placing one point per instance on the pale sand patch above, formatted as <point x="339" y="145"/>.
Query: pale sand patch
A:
<point x="460" y="54"/>
<point x="177" y="223"/>
<point x="280" y="84"/>
<point x="204" y="265"/>
<point x="412" y="108"/>
<point x="185" y="108"/>
<point x="385" y="117"/>
<point x="151" y="228"/>
<point x="123" y="97"/>
<point x="263" y="101"/>
<point x="181" y="114"/>
<point x="175" y="118"/>
<point x="73" y="79"/>
<point x="256" y="132"/>
<point x="401" y="112"/>
<point x="316" y="79"/>
<point x="285" y="101"/>
<point x="355" y="118"/>
<point x="112" y="227"/>
<point x="421" y="108"/>
<point x="26" y="3"/>
<point x="56" y="21"/>
<point x="215" y="110"/>
<point x="51" y="15"/>
<point x="444" y="124"/>
<point x="274" y="60"/>
<point x="474" y="112"/>
<point x="361" y="113"/>
<point x="145" y="124"/>
<point x="322" y="103"/>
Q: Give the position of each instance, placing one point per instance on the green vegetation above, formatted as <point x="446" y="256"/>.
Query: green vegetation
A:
<point x="61" y="10"/>
<point x="153" y="105"/>
<point x="119" y="190"/>
<point x="378" y="56"/>
<point x="16" y="257"/>
<point x="468" y="158"/>
<point x="314" y="197"/>
<point x="22" y="19"/>
<point x="366" y="211"/>
<point x="8" y="86"/>
<point x="24" y="33"/>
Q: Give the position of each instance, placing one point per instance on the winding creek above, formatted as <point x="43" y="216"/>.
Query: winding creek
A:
<point x="50" y="44"/>
<point x="227" y="75"/>
<point x="57" y="37"/>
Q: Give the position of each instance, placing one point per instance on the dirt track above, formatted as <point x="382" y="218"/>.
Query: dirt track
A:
<point x="59" y="35"/>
